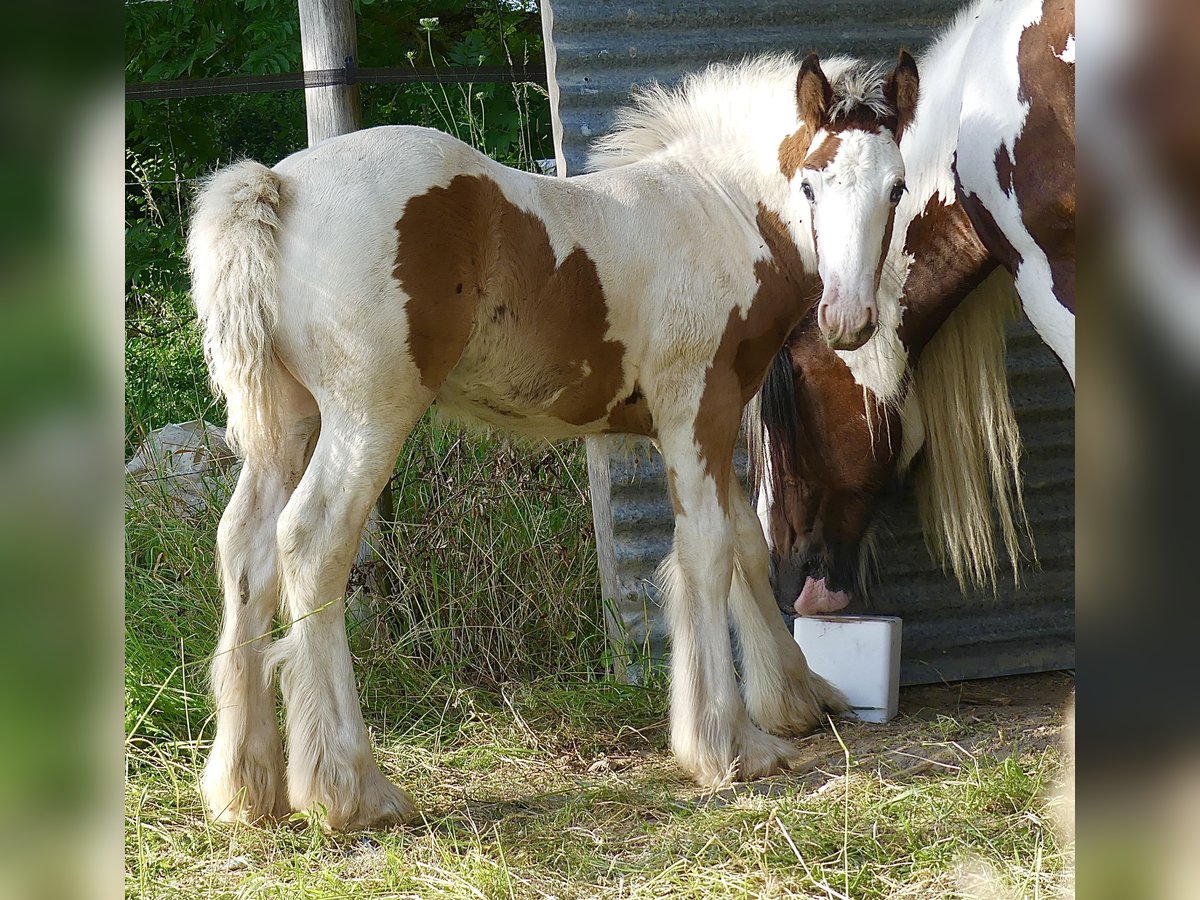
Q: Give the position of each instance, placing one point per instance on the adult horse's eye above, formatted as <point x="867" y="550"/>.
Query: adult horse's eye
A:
<point x="898" y="191"/>
<point x="808" y="192"/>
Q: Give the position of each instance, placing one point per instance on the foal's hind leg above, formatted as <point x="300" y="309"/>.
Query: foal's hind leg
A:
<point x="243" y="778"/>
<point x="782" y="694"/>
<point x="329" y="753"/>
<point x="711" y="733"/>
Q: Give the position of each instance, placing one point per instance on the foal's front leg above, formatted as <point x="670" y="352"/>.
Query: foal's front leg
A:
<point x="783" y="695"/>
<point x="711" y="733"/>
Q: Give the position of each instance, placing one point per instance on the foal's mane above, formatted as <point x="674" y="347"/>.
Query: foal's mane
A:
<point x="742" y="105"/>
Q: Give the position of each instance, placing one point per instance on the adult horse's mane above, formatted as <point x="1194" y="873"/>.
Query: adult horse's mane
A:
<point x="972" y="442"/>
<point x="731" y="102"/>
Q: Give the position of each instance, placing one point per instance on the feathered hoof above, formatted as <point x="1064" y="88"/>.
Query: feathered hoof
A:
<point x="374" y="803"/>
<point x="746" y="755"/>
<point x="799" y="708"/>
<point x="246" y="790"/>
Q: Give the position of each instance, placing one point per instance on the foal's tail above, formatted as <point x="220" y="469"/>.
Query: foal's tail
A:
<point x="231" y="251"/>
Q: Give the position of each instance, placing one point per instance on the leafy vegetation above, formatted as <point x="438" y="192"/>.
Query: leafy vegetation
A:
<point x="171" y="144"/>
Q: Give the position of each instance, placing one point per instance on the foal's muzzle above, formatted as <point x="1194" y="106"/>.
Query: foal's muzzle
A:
<point x="846" y="325"/>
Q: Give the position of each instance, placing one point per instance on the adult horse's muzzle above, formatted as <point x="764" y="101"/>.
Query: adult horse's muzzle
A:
<point x="803" y="588"/>
<point x="846" y="324"/>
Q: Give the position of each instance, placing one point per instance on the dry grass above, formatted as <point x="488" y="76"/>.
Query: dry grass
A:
<point x="482" y="681"/>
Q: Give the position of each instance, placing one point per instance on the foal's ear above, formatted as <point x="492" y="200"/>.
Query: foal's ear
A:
<point x="813" y="93"/>
<point x="901" y="89"/>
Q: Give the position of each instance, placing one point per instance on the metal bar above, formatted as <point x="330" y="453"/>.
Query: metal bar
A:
<point x="288" y="81"/>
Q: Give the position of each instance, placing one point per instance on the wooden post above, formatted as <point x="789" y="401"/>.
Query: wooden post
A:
<point x="329" y="40"/>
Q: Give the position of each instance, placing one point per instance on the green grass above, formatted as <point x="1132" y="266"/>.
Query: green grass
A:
<point x="480" y="660"/>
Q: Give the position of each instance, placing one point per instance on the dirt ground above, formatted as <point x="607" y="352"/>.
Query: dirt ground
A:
<point x="939" y="726"/>
<point x="1018" y="713"/>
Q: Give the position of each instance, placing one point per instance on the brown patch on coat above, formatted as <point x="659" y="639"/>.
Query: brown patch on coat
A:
<point x="479" y="270"/>
<point x="984" y="223"/>
<point x="793" y="150"/>
<point x="749" y="344"/>
<point x="824" y="154"/>
<point x="1004" y="169"/>
<point x="631" y="415"/>
<point x="949" y="261"/>
<point x="435" y="256"/>
<point x="1043" y="175"/>
<point x="244" y="588"/>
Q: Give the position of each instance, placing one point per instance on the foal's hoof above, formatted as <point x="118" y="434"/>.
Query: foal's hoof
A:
<point x="245" y="791"/>
<point x="765" y="755"/>
<point x="381" y="805"/>
<point x="749" y="755"/>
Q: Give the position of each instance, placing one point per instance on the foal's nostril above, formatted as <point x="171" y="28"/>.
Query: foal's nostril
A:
<point x="872" y="317"/>
<point x="864" y="333"/>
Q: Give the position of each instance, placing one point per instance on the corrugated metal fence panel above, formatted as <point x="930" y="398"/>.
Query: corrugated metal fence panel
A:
<point x="603" y="49"/>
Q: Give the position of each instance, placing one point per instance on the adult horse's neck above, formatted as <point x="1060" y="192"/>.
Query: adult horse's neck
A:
<point x="949" y="261"/>
<point x="935" y="258"/>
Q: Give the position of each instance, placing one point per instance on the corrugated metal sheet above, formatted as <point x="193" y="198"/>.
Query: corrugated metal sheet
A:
<point x="600" y="50"/>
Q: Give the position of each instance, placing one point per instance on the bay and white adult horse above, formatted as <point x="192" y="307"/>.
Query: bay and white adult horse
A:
<point x="347" y="289"/>
<point x="990" y="161"/>
<point x="997" y="135"/>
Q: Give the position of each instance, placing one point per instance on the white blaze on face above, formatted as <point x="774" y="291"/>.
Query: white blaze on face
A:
<point x="852" y="198"/>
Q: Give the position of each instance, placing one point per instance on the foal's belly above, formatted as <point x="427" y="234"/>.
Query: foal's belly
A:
<point x="552" y="386"/>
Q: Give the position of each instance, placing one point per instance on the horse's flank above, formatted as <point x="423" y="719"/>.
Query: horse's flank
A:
<point x="527" y="308"/>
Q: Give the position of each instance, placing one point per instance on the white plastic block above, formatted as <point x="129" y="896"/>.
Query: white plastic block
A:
<point x="859" y="655"/>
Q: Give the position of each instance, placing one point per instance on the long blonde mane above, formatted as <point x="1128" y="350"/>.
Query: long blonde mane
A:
<point x="972" y="444"/>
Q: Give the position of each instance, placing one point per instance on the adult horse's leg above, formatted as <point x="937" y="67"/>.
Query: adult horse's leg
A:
<point x="243" y="777"/>
<point x="782" y="694"/>
<point x="329" y="752"/>
<point x="711" y="733"/>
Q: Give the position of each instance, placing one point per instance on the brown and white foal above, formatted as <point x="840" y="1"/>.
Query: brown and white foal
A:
<point x="356" y="283"/>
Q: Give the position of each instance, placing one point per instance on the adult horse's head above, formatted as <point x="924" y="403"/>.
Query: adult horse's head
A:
<point x="851" y="176"/>
<point x="819" y="461"/>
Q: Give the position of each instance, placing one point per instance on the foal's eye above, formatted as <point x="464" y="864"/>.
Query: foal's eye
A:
<point x="808" y="192"/>
<point x="898" y="191"/>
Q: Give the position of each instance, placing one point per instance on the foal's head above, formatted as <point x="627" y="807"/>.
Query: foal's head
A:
<point x="851" y="176"/>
